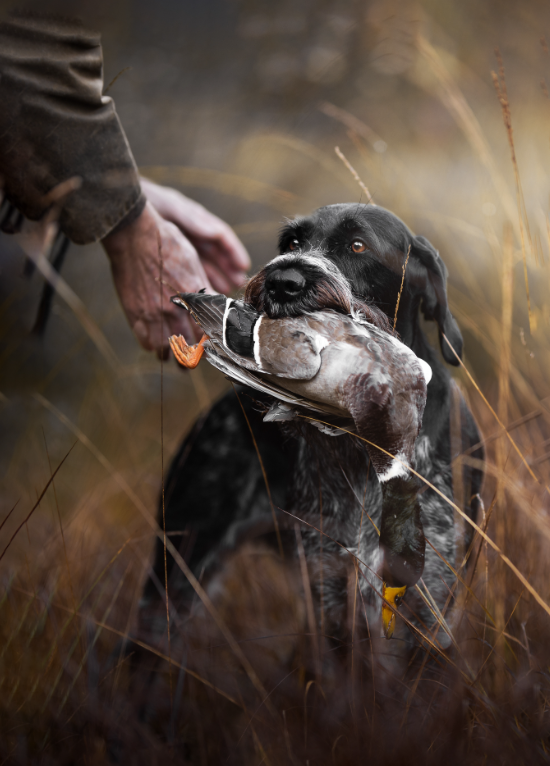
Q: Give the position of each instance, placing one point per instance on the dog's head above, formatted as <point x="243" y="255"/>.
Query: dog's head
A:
<point x="347" y="257"/>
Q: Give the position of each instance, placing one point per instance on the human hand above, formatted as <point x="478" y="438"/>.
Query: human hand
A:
<point x="135" y="253"/>
<point x="222" y="254"/>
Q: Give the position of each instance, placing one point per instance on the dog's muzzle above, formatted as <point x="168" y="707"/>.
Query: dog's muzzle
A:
<point x="297" y="283"/>
<point x="285" y="284"/>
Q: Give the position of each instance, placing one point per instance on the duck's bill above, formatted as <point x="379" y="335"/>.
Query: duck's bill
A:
<point x="392" y="596"/>
<point x="179" y="300"/>
<point x="207" y="310"/>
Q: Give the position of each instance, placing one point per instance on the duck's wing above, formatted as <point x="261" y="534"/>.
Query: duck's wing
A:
<point x="208" y="311"/>
<point x="227" y="323"/>
<point x="287" y="347"/>
<point x="267" y="385"/>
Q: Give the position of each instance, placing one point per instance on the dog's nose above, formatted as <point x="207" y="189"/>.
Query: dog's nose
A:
<point x="284" y="284"/>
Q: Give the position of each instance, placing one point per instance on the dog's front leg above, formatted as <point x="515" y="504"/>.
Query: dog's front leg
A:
<point x="389" y="429"/>
<point x="402" y="543"/>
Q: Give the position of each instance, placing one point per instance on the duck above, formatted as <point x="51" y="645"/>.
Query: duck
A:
<point x="336" y="370"/>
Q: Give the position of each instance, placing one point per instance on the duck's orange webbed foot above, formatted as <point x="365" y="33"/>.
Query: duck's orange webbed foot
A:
<point x="187" y="356"/>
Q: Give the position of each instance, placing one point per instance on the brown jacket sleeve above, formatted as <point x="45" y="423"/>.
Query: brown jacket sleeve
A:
<point x="55" y="125"/>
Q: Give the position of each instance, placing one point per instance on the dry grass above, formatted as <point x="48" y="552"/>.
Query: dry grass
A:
<point x="248" y="679"/>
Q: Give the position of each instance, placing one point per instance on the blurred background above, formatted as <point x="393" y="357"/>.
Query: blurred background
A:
<point x="240" y="105"/>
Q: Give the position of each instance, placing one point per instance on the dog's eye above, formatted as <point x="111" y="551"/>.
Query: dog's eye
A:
<point x="293" y="244"/>
<point x="358" y="246"/>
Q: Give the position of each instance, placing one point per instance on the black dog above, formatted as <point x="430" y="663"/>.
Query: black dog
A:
<point x="215" y="486"/>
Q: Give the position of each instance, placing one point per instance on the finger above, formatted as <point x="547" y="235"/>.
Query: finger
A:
<point x="236" y="278"/>
<point x="141" y="331"/>
<point x="158" y="336"/>
<point x="196" y="330"/>
<point x="213" y="238"/>
<point x="237" y="253"/>
<point x="196" y="222"/>
<point x="224" y="250"/>
<point x="182" y="324"/>
<point x="217" y="279"/>
<point x="182" y="267"/>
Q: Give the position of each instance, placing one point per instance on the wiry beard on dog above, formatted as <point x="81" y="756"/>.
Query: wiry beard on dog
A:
<point x="326" y="288"/>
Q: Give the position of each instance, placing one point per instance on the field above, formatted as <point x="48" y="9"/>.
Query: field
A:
<point x="83" y="450"/>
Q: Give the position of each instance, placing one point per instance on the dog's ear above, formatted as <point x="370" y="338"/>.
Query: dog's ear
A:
<point x="434" y="301"/>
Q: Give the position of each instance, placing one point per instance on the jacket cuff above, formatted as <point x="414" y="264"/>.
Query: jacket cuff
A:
<point x="131" y="216"/>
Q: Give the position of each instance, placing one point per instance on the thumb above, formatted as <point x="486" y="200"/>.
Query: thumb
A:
<point x="141" y="331"/>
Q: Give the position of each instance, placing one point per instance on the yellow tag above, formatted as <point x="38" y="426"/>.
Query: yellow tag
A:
<point x="394" y="596"/>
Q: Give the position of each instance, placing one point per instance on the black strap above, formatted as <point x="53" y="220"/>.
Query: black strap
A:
<point x="11" y="221"/>
<point x="57" y="257"/>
